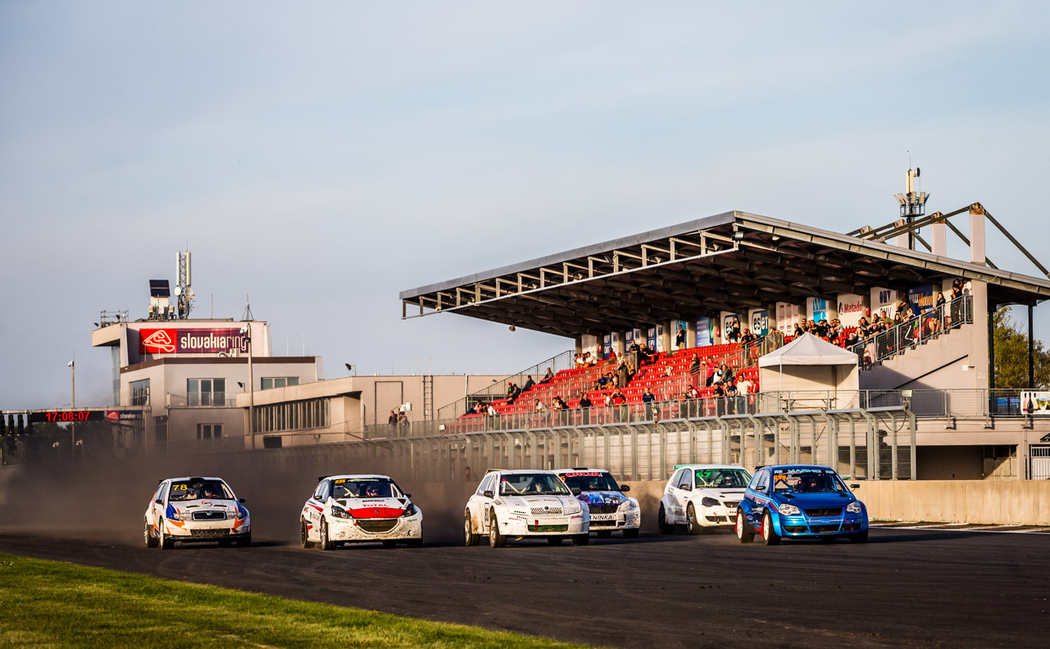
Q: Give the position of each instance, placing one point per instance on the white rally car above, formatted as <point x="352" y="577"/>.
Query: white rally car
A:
<point x="610" y="509"/>
<point x="702" y="497"/>
<point x="524" y="504"/>
<point x="357" y="509"/>
<point x="192" y="509"/>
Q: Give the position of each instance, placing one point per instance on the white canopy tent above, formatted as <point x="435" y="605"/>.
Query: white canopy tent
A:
<point x="809" y="370"/>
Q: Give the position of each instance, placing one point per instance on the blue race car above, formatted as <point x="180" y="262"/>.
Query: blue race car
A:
<point x="800" y="501"/>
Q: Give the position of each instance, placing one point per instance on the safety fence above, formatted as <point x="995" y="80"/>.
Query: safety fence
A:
<point x="915" y="331"/>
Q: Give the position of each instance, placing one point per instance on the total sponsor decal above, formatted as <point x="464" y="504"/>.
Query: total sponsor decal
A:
<point x="173" y="340"/>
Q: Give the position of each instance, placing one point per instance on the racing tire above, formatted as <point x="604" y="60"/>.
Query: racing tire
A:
<point x="859" y="537"/>
<point x="225" y="543"/>
<point x="769" y="535"/>
<point x="245" y="541"/>
<point x="604" y="534"/>
<point x="554" y="540"/>
<point x="742" y="533"/>
<point x="631" y="533"/>
<point x="415" y="543"/>
<point x="581" y="539"/>
<point x="496" y="540"/>
<point x="389" y="544"/>
<point x="691" y="524"/>
<point x="165" y="541"/>
<point x="147" y="533"/>
<point x="304" y="535"/>
<point x="662" y="524"/>
<point x="469" y="537"/>
<point x="325" y="544"/>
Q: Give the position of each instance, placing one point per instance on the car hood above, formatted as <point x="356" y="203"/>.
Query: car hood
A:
<point x="533" y="502"/>
<point x="603" y="498"/>
<point x="812" y="500"/>
<point x="190" y="506"/>
<point x="373" y="507"/>
<point x="736" y="493"/>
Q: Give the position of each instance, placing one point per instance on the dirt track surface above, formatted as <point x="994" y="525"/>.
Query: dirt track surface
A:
<point x="903" y="588"/>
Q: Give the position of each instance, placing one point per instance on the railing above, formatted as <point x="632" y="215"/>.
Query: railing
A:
<point x="909" y="334"/>
<point x="937" y="404"/>
<point x="498" y="390"/>
<point x="200" y="400"/>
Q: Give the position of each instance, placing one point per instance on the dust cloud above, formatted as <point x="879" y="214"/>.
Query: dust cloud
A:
<point x="107" y="498"/>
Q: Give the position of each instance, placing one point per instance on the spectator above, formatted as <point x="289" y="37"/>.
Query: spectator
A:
<point x="732" y="399"/>
<point x="529" y="383"/>
<point x="940" y="300"/>
<point x="798" y="329"/>
<point x="619" y="405"/>
<point x="694" y="366"/>
<point x="548" y="376"/>
<point x="392" y="419"/>
<point x="585" y="406"/>
<point x="621" y="374"/>
<point x="732" y="331"/>
<point x="679" y="338"/>
<point x="748" y="337"/>
<point x="648" y="398"/>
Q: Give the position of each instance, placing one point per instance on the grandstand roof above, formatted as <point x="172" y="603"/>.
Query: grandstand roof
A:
<point x="726" y="262"/>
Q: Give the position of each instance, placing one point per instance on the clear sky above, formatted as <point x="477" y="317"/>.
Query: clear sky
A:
<point x="323" y="156"/>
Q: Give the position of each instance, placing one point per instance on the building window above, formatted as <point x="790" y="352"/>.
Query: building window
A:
<point x="209" y="431"/>
<point x="279" y="381"/>
<point x="291" y="416"/>
<point x="140" y="393"/>
<point x="206" y="392"/>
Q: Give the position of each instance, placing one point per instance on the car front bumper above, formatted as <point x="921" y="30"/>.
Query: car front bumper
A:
<point x="185" y="531"/>
<point x="801" y="526"/>
<point x="625" y="520"/>
<point x="375" y="529"/>
<point x="517" y="526"/>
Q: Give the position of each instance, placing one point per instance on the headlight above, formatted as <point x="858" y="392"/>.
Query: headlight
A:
<point x="339" y="512"/>
<point x="710" y="502"/>
<point x="242" y="512"/>
<point x="573" y="508"/>
<point x="789" y="510"/>
<point x="410" y="510"/>
<point x="854" y="507"/>
<point x="629" y="504"/>
<point x="174" y="515"/>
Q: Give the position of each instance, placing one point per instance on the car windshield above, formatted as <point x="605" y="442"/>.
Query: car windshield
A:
<point x="806" y="481"/>
<point x="532" y="484"/>
<point x="362" y="488"/>
<point x="199" y="490"/>
<point x="590" y="481"/>
<point x="723" y="478"/>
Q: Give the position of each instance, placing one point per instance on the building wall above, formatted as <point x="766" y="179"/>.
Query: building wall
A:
<point x="947" y="362"/>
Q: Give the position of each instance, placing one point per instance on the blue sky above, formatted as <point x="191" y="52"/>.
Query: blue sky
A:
<point x="323" y="157"/>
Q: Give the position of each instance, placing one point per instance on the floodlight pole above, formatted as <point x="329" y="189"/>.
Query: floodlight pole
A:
<point x="73" y="428"/>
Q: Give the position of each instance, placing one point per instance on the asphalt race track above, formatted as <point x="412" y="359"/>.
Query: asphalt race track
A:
<point x="903" y="588"/>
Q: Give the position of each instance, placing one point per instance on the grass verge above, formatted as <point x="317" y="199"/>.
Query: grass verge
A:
<point x="53" y="604"/>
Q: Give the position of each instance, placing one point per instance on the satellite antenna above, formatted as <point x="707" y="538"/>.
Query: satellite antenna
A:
<point x="183" y="279"/>
<point x="247" y="317"/>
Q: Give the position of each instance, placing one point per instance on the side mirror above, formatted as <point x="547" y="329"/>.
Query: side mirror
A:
<point x="854" y="486"/>
<point x="159" y="502"/>
<point x="685" y="487"/>
<point x="408" y="495"/>
<point x="488" y="494"/>
<point x="241" y="500"/>
<point x="576" y="491"/>
<point x="625" y="488"/>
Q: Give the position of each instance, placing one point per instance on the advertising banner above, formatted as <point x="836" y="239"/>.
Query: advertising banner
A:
<point x="787" y="317"/>
<point x="818" y="309"/>
<point x="650" y="337"/>
<point x="173" y="340"/>
<point x="705" y="336"/>
<point x="1035" y="403"/>
<point x="676" y="327"/>
<point x="921" y="298"/>
<point x="852" y="308"/>
<point x="606" y="345"/>
<point x="732" y="327"/>
<point x="759" y="319"/>
<point x="883" y="302"/>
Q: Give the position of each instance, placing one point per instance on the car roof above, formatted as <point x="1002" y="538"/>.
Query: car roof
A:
<point x="580" y="468"/>
<point x="798" y="466"/>
<point x="520" y="471"/>
<point x="194" y="477"/>
<point x="366" y="476"/>
<point x="709" y="466"/>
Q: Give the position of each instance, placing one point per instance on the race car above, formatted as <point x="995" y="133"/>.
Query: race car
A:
<point x="359" y="509"/>
<point x="800" y="501"/>
<point x="610" y="510"/>
<point x="702" y="497"/>
<point x="524" y="504"/>
<point x="192" y="509"/>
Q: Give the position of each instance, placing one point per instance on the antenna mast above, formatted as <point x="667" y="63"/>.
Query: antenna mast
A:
<point x="912" y="204"/>
<point x="183" y="292"/>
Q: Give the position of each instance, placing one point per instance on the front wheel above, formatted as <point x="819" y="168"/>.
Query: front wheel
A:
<point x="496" y="540"/>
<point x="326" y="544"/>
<point x="692" y="525"/>
<point x="245" y="540"/>
<point x="469" y="537"/>
<point x="415" y="543"/>
<point x="630" y="534"/>
<point x="859" y="537"/>
<point x="581" y="539"/>
<point x="554" y="540"/>
<point x="165" y="542"/>
<point x="304" y="534"/>
<point x="742" y="533"/>
<point x="769" y="535"/>
<point x="147" y="533"/>
<point x="661" y="522"/>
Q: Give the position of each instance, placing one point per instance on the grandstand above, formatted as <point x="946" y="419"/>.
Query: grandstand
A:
<point x="918" y="322"/>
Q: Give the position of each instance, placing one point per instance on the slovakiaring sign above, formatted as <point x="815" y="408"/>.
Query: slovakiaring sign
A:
<point x="173" y="340"/>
